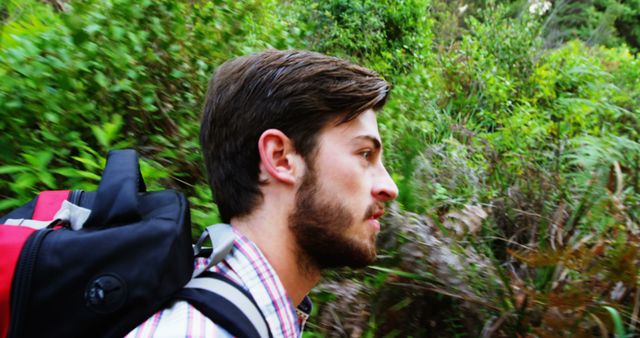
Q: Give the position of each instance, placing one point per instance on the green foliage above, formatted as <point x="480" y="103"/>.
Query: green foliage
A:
<point x="23" y="19"/>
<point x="546" y="140"/>
<point x="114" y="74"/>
<point x="390" y="36"/>
<point x="513" y="136"/>
<point x="617" y="320"/>
<point x="627" y="23"/>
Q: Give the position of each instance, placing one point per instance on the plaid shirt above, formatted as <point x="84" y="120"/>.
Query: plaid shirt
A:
<point x="246" y="266"/>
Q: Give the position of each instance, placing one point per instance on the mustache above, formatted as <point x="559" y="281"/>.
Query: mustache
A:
<point x="372" y="210"/>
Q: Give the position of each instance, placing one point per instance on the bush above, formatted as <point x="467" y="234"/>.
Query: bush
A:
<point x="114" y="74"/>
<point x="391" y="37"/>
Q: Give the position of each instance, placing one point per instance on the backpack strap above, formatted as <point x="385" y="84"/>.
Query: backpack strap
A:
<point x="226" y="304"/>
<point x="222" y="237"/>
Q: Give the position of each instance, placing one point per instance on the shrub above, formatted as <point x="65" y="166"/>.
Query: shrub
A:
<point x="113" y="74"/>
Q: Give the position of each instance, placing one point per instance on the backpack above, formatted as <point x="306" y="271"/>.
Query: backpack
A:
<point x="97" y="264"/>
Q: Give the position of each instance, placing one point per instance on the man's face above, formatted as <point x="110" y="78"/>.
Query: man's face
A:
<point x="342" y="196"/>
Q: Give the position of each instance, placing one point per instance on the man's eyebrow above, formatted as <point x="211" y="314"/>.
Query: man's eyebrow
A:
<point x="376" y="142"/>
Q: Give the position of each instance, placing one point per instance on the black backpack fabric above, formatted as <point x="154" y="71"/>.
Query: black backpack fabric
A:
<point x="131" y="258"/>
<point x="132" y="255"/>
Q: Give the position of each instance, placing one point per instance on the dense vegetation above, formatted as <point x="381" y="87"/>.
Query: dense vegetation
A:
<point x="513" y="134"/>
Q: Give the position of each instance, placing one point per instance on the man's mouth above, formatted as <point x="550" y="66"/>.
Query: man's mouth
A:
<point x="378" y="214"/>
<point x="374" y="213"/>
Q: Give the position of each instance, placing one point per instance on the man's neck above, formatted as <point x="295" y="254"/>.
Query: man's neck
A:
<point x="272" y="236"/>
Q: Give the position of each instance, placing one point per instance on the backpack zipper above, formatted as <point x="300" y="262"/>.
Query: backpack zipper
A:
<point x="75" y="196"/>
<point x="24" y="272"/>
<point x="22" y="280"/>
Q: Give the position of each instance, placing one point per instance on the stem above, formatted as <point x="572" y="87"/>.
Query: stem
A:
<point x="636" y="309"/>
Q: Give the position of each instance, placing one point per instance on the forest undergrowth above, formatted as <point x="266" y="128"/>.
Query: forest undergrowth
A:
<point x="512" y="132"/>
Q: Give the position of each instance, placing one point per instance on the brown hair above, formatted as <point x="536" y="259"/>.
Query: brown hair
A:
<point x="296" y="92"/>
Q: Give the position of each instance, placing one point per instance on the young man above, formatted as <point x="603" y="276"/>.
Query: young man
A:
<point x="294" y="159"/>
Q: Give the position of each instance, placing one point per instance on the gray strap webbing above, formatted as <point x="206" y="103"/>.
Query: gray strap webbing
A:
<point x="222" y="238"/>
<point x="235" y="296"/>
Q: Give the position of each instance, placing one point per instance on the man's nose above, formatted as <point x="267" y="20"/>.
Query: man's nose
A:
<point x="384" y="188"/>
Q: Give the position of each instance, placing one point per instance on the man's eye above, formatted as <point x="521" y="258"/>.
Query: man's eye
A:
<point x="366" y="154"/>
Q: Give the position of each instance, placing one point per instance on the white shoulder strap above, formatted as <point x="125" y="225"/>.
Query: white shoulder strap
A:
<point x="222" y="237"/>
<point x="236" y="297"/>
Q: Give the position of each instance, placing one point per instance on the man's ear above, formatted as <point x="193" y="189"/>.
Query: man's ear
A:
<point x="278" y="157"/>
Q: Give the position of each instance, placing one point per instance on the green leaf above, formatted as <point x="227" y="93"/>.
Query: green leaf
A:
<point x="40" y="159"/>
<point x="101" y="136"/>
<point x="67" y="172"/>
<point x="617" y="322"/>
<point x="92" y="28"/>
<point x="398" y="272"/>
<point x="48" y="179"/>
<point x="26" y="180"/>
<point x="102" y="80"/>
<point x="89" y="163"/>
<point x="89" y="175"/>
<point x="8" y="203"/>
<point x="11" y="169"/>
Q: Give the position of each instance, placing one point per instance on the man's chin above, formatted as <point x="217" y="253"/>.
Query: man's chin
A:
<point x="362" y="263"/>
<point x="355" y="258"/>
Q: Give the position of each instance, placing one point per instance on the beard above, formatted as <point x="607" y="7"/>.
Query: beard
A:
<point x="321" y="225"/>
